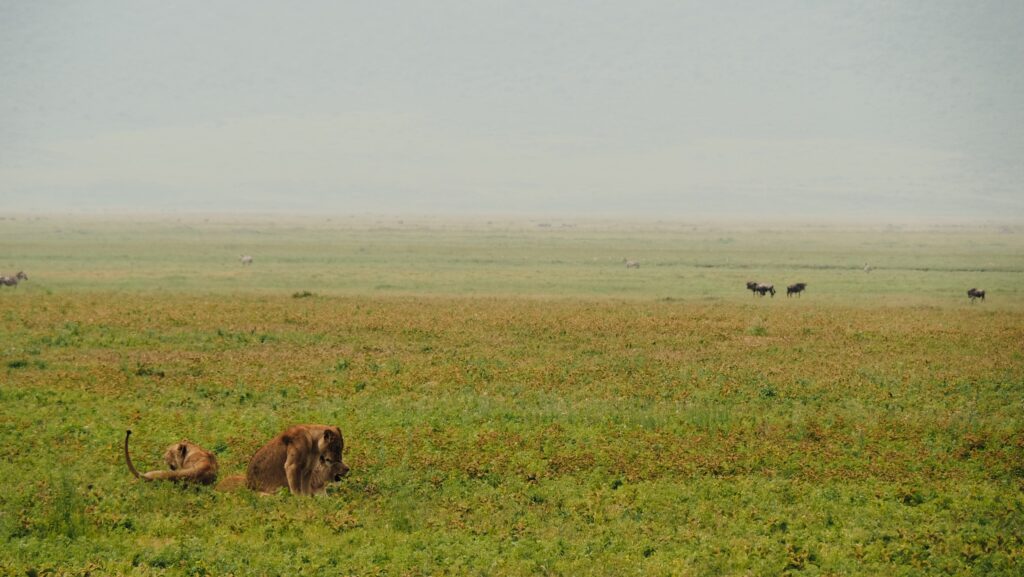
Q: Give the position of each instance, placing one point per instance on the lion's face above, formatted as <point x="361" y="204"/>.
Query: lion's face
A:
<point x="330" y="467"/>
<point x="176" y="454"/>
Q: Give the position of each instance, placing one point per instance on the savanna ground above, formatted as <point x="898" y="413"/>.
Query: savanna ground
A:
<point x="514" y="401"/>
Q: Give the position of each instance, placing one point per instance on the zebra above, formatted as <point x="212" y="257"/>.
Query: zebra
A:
<point x="631" y="263"/>
<point x="976" y="294"/>
<point x="13" y="280"/>
<point x="246" y="259"/>
<point x="765" y="288"/>
<point x="795" y="289"/>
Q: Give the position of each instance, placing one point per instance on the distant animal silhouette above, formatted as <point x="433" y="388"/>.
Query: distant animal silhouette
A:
<point x="13" y="280"/>
<point x="763" y="289"/>
<point x="976" y="294"/>
<point x="752" y="287"/>
<point x="796" y="289"/>
<point x="631" y="263"/>
<point x="246" y="259"/>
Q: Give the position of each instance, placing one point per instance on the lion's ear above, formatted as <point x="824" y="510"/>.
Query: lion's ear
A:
<point x="330" y="436"/>
<point x="287" y="440"/>
<point x="183" y="450"/>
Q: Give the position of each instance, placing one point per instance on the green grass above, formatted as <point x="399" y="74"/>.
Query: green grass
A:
<point x="518" y="408"/>
<point x="344" y="256"/>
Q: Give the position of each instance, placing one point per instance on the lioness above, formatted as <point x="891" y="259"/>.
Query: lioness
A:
<point x="188" y="462"/>
<point x="304" y="458"/>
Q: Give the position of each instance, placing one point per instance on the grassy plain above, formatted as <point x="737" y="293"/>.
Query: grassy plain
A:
<point x="514" y="400"/>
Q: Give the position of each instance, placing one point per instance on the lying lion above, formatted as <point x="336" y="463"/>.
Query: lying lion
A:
<point x="188" y="462"/>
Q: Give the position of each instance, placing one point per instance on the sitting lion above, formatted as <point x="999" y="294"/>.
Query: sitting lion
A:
<point x="303" y="458"/>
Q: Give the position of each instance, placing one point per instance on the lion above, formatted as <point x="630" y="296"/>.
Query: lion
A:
<point x="303" y="458"/>
<point x="188" y="462"/>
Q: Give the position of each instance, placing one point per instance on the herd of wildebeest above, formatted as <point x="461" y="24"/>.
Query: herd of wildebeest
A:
<point x="305" y="458"/>
<point x="761" y="289"/>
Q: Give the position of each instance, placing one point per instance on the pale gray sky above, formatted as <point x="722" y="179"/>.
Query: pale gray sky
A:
<point x="811" y="108"/>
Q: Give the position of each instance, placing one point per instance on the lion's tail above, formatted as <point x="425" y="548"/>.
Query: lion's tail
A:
<point x="127" y="457"/>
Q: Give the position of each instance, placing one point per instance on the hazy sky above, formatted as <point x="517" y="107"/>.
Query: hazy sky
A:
<point x="641" y="108"/>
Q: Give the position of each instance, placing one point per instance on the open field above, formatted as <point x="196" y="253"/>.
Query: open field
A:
<point x="514" y="401"/>
<point x="389" y="257"/>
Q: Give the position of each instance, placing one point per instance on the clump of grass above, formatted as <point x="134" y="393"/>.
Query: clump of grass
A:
<point x="67" y="513"/>
<point x="757" y="329"/>
<point x="302" y="294"/>
<point x="144" y="370"/>
<point x="17" y="364"/>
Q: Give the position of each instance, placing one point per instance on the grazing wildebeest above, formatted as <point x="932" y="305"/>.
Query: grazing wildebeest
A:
<point x="762" y="289"/>
<point x="246" y="259"/>
<point x="13" y="280"/>
<point x="752" y="287"/>
<point x="796" y="289"/>
<point x="976" y="294"/>
<point x="631" y="263"/>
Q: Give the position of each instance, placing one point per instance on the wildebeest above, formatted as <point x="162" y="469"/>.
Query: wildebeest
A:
<point x="631" y="263"/>
<point x="752" y="287"/>
<point x="796" y="289"/>
<point x="976" y="294"/>
<point x="762" y="289"/>
<point x="13" y="280"/>
<point x="246" y="259"/>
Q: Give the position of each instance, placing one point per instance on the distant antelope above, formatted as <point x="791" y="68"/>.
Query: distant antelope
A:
<point x="631" y="263"/>
<point x="13" y="280"/>
<point x="867" y="267"/>
<point x="976" y="294"/>
<point x="246" y="259"/>
<point x="796" y="289"/>
<point x="762" y="289"/>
